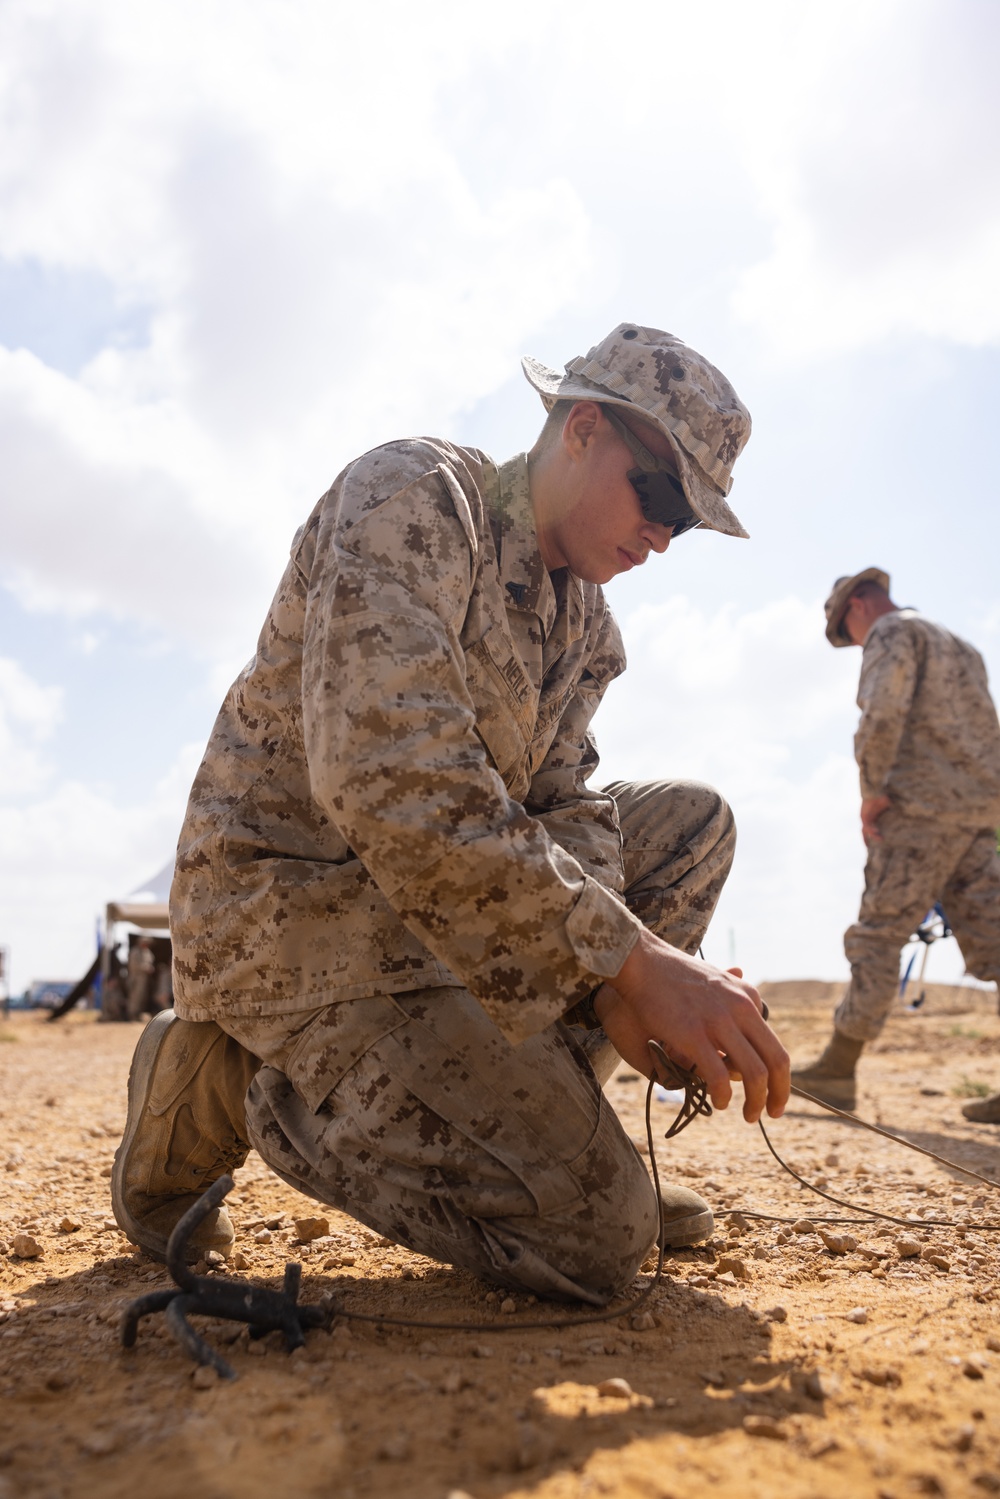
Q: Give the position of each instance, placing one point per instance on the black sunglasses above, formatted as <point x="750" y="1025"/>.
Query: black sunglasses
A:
<point x="663" y="499"/>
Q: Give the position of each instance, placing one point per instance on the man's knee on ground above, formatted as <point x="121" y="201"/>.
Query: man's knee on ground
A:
<point x="610" y="1234"/>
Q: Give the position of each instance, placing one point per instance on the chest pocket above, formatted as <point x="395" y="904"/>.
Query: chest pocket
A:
<point x="505" y="704"/>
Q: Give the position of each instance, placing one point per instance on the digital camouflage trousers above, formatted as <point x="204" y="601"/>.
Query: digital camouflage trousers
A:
<point x="916" y="863"/>
<point x="413" y="1114"/>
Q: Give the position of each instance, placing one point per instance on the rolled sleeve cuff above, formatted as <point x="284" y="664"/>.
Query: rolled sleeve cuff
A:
<point x="602" y="930"/>
<point x="592" y="944"/>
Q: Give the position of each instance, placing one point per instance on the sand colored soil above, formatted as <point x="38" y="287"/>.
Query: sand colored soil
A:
<point x="773" y="1366"/>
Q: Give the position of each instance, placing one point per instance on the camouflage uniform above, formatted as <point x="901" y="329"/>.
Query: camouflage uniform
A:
<point x="393" y="879"/>
<point x="929" y="740"/>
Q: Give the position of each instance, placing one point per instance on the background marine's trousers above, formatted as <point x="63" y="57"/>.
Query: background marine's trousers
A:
<point x="917" y="862"/>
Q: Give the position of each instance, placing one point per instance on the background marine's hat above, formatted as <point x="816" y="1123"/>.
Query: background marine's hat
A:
<point x="840" y="597"/>
<point x="673" y="388"/>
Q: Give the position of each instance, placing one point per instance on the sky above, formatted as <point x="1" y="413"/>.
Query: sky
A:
<point x="242" y="243"/>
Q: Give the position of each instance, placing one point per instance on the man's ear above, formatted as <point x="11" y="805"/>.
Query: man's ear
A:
<point x="581" y="426"/>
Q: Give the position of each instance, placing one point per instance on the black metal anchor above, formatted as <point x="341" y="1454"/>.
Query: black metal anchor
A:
<point x="262" y="1309"/>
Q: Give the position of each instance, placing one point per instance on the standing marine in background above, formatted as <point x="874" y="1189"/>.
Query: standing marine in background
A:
<point x="928" y="751"/>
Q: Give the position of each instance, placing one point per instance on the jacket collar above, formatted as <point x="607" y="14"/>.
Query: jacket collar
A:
<point x="526" y="583"/>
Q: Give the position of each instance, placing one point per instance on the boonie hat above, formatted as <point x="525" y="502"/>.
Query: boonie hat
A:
<point x="677" y="391"/>
<point x="840" y="597"/>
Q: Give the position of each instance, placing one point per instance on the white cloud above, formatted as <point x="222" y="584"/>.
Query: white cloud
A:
<point x="880" y="174"/>
<point x="756" y="703"/>
<point x="29" y="715"/>
<point x="70" y="850"/>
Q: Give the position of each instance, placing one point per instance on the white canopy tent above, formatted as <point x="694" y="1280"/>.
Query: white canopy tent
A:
<point x="145" y="908"/>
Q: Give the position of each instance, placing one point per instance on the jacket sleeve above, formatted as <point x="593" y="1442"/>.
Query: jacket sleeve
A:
<point x="583" y="821"/>
<point x="885" y="693"/>
<point x="395" y="762"/>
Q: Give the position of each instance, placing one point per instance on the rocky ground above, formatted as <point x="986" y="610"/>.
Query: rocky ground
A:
<point x="772" y="1361"/>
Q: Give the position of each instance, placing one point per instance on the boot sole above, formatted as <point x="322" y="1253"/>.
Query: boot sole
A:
<point x="140" y="1076"/>
<point x="678" y="1233"/>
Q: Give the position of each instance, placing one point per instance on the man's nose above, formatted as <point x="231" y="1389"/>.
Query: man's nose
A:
<point x="657" y="538"/>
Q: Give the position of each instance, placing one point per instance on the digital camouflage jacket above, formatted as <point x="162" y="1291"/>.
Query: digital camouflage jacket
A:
<point x="928" y="737"/>
<point x="394" y="794"/>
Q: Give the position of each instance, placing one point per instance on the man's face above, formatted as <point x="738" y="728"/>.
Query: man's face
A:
<point x="597" y="528"/>
<point x="856" y="621"/>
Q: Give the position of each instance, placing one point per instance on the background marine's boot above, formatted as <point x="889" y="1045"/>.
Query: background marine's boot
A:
<point x="186" y="1126"/>
<point x="687" y="1218"/>
<point x="831" y="1076"/>
<point x="983" y="1110"/>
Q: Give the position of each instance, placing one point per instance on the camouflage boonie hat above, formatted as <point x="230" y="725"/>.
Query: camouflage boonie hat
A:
<point x="674" y="389"/>
<point x="840" y="597"/>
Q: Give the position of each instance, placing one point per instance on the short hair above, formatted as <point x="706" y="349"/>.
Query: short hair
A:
<point x="553" y="424"/>
<point x="556" y="420"/>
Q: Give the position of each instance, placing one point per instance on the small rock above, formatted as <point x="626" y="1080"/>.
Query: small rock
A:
<point x="993" y="1343"/>
<point x="857" y="1314"/>
<point x="882" y="1375"/>
<point x="214" y="1260"/>
<point x="68" y="1226"/>
<point x="839" y="1243"/>
<point x="734" y="1265"/>
<point x="508" y="1306"/>
<point x="714" y="1377"/>
<point x="453" y="1382"/>
<point x="204" y="1377"/>
<point x="821" y="1384"/>
<point x="25" y="1247"/>
<point x="803" y="1226"/>
<point x="615" y="1387"/>
<point x="831" y="1160"/>
<point x="727" y="1278"/>
<point x="765" y="1426"/>
<point x="482" y="1350"/>
<point x="307" y="1229"/>
<point x="908" y="1248"/>
<point x="100" y="1443"/>
<point x="974" y="1367"/>
<point x="697" y="1280"/>
<point x="936" y="1258"/>
<point x="59" y="1380"/>
<point x="239" y="1260"/>
<point x="962" y="1438"/>
<point x="776" y="1314"/>
<point x="395" y="1448"/>
<point x="532" y="1445"/>
<point x="643" y="1322"/>
<point x="262" y="1236"/>
<point x="274" y="1222"/>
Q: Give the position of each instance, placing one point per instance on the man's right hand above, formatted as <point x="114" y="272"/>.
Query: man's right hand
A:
<point x="871" y="810"/>
<point x="703" y="1017"/>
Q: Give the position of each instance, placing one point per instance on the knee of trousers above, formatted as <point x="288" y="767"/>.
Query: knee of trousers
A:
<point x="685" y="811"/>
<point x="873" y="948"/>
<point x="613" y="1230"/>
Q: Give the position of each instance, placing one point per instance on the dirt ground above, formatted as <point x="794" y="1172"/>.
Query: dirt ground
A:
<point x="774" y="1365"/>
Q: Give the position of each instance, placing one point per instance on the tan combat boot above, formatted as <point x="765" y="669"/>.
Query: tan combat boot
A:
<point x="983" y="1110"/>
<point x="831" y="1077"/>
<point x="687" y="1218"/>
<point x="185" y="1128"/>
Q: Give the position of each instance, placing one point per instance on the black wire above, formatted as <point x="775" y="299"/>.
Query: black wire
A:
<point x="869" y="1213"/>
